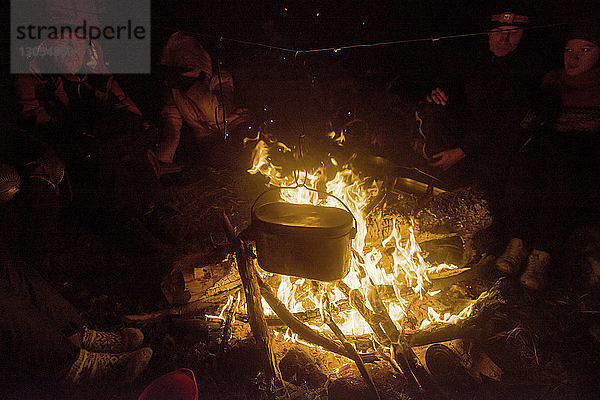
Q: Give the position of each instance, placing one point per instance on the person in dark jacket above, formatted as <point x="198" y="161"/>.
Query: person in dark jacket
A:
<point x="569" y="166"/>
<point x="472" y="133"/>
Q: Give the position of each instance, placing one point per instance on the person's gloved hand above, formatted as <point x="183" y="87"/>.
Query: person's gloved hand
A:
<point x="447" y="158"/>
<point x="437" y="96"/>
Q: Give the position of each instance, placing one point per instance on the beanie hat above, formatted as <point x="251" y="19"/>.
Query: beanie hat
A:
<point x="586" y="29"/>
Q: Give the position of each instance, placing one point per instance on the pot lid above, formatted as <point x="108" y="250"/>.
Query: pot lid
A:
<point x="290" y="217"/>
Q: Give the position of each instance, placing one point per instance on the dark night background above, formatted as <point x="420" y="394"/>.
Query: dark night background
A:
<point x="295" y="24"/>
<point x="270" y="77"/>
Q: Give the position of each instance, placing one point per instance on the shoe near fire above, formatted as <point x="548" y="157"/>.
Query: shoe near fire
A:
<point x="125" y="340"/>
<point x="513" y="257"/>
<point x="534" y="277"/>
<point x="102" y="369"/>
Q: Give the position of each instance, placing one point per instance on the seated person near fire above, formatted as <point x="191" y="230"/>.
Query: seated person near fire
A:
<point x="79" y="120"/>
<point x="195" y="99"/>
<point x="468" y="135"/>
<point x="44" y="340"/>
<point x="569" y="165"/>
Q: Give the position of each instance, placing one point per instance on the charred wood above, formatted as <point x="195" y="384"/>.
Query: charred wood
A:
<point x="475" y="326"/>
<point x="256" y="315"/>
<point x="297" y="326"/>
<point x="381" y="312"/>
<point x="304" y="316"/>
<point x="349" y="348"/>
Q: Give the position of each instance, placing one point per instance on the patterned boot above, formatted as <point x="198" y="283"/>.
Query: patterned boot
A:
<point x="534" y="277"/>
<point x="510" y="261"/>
<point x="97" y="369"/>
<point x="125" y="340"/>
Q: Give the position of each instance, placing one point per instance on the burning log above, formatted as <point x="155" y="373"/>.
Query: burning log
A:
<point x="256" y="315"/>
<point x="381" y="311"/>
<point x="433" y="221"/>
<point x="436" y="333"/>
<point x="357" y="301"/>
<point x="473" y="326"/>
<point x="393" y="335"/>
<point x="479" y="270"/>
<point x="403" y="356"/>
<point x="303" y="331"/>
<point x="465" y="210"/>
<point x="230" y="313"/>
<point x="349" y="348"/>
<point x="304" y="316"/>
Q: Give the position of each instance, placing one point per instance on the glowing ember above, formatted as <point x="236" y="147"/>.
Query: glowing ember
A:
<point x="409" y="272"/>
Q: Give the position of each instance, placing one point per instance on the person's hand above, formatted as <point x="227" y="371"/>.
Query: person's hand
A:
<point x="437" y="96"/>
<point x="447" y="158"/>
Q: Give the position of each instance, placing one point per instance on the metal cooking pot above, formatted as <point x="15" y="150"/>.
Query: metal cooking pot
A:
<point x="303" y="240"/>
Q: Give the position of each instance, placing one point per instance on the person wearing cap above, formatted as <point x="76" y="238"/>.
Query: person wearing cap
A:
<point x="195" y="97"/>
<point x="571" y="149"/>
<point x="469" y="135"/>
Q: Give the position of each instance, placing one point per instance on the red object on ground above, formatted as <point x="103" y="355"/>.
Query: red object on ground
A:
<point x="176" y="385"/>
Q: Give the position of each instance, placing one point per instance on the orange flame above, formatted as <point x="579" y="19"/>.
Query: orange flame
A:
<point x="409" y="269"/>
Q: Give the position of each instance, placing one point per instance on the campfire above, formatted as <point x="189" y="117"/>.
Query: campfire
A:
<point x="395" y="263"/>
<point x="410" y="303"/>
<point x="392" y="297"/>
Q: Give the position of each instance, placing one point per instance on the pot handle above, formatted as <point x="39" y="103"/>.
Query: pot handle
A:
<point x="354" y="228"/>
<point x="272" y="188"/>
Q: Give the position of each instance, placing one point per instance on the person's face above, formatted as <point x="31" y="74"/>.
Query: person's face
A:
<point x="70" y="50"/>
<point x="580" y="56"/>
<point x="504" y="39"/>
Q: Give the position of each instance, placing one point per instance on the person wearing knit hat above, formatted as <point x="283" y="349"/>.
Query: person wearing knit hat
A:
<point x="194" y="98"/>
<point x="582" y="51"/>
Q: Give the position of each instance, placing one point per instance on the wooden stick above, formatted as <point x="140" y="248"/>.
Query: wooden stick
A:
<point x="437" y="333"/>
<point x="349" y="348"/>
<point x="190" y="309"/>
<point x="400" y="357"/>
<point x="381" y="311"/>
<point x="227" y="325"/>
<point x="256" y="316"/>
<point x="478" y="270"/>
<point x="477" y="324"/>
<point x="422" y="379"/>
<point x="416" y="375"/>
<point x="357" y="300"/>
<point x="297" y="326"/>
<point x="304" y="316"/>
